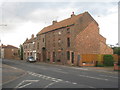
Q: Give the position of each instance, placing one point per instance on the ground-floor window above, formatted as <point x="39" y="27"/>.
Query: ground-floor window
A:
<point x="68" y="55"/>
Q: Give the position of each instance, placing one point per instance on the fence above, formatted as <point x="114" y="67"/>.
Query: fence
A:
<point x="92" y="59"/>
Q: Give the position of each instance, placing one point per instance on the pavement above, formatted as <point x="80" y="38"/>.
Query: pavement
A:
<point x="10" y="73"/>
<point x="42" y="75"/>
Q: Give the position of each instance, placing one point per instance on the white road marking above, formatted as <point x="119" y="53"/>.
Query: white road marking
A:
<point x="55" y="80"/>
<point x="108" y="76"/>
<point x="74" y="83"/>
<point x="39" y="75"/>
<point x="25" y="85"/>
<point x="29" y="82"/>
<point x="94" y="77"/>
<point x="49" y="84"/>
<point x="59" y="79"/>
<point x="19" y="84"/>
<point x="67" y="81"/>
<point x="60" y="71"/>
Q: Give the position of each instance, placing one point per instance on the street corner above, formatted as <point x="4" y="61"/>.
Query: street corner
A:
<point x="10" y="73"/>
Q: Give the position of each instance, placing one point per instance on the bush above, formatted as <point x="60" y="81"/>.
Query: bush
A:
<point x="108" y="60"/>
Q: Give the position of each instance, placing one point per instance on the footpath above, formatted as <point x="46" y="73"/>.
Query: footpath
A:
<point x="10" y="73"/>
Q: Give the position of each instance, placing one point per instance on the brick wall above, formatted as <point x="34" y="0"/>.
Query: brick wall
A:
<point x="11" y="53"/>
<point x="87" y="41"/>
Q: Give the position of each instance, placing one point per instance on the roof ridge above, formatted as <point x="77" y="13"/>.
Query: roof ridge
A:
<point x="62" y="23"/>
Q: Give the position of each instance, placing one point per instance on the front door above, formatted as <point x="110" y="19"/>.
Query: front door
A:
<point x="44" y="54"/>
<point x="72" y="56"/>
<point x="53" y="56"/>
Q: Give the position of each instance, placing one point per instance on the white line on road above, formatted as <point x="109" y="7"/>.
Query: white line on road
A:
<point x="19" y="84"/>
<point x="74" y="83"/>
<point x="28" y="83"/>
<point x="31" y="80"/>
<point x="67" y="81"/>
<point x="55" y="80"/>
<point x="59" y="79"/>
<point x="108" y="76"/>
<point x="93" y="77"/>
<point x="50" y="84"/>
<point x="60" y="71"/>
<point x="25" y="85"/>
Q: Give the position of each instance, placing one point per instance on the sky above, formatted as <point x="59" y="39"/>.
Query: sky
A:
<point x="20" y="19"/>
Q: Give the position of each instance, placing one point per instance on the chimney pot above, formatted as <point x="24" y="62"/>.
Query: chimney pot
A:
<point x="72" y="14"/>
<point x="32" y="36"/>
<point x="54" y="22"/>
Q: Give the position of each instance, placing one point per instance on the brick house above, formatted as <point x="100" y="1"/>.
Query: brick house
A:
<point x="9" y="52"/>
<point x="66" y="41"/>
<point x="29" y="47"/>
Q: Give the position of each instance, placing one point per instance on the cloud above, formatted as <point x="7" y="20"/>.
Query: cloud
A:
<point x="25" y="30"/>
<point x="109" y="27"/>
<point x="26" y="18"/>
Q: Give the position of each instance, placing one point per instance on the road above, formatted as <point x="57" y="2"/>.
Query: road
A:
<point x="41" y="75"/>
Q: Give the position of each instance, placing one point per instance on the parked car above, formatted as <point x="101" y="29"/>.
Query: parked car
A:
<point x="31" y="59"/>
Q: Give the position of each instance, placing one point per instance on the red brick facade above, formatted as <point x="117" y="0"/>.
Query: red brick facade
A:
<point x="65" y="41"/>
<point x="9" y="52"/>
<point x="29" y="48"/>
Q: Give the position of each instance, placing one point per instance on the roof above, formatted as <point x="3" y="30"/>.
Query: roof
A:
<point x="9" y="46"/>
<point x="62" y="23"/>
<point x="29" y="40"/>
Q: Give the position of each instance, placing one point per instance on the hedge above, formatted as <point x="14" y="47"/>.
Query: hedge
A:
<point x="108" y="60"/>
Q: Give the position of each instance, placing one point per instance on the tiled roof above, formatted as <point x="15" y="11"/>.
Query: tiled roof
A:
<point x="9" y="46"/>
<point x="29" y="40"/>
<point x="62" y="23"/>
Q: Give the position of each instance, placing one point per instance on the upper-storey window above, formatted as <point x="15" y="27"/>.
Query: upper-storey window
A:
<point x="68" y="42"/>
<point x="26" y="46"/>
<point x="38" y="45"/>
<point x="43" y="39"/>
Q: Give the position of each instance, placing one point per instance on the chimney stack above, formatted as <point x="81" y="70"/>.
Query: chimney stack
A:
<point x="32" y="36"/>
<point x="26" y="39"/>
<point x="54" y="22"/>
<point x="72" y="14"/>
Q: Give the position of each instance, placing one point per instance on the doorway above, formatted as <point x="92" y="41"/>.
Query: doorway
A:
<point x="72" y="57"/>
<point x="53" y="56"/>
<point x="44" y="54"/>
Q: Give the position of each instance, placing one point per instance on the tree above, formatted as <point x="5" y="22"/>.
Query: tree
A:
<point x="21" y="52"/>
<point x="116" y="50"/>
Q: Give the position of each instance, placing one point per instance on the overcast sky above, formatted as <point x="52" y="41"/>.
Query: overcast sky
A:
<point x="26" y="18"/>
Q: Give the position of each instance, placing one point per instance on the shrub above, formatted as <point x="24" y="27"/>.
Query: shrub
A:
<point x="108" y="60"/>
